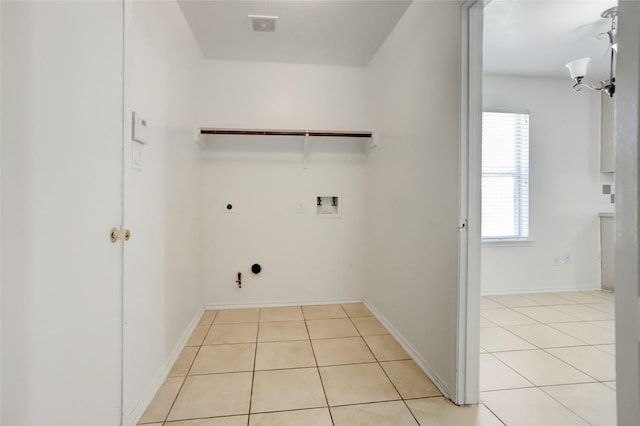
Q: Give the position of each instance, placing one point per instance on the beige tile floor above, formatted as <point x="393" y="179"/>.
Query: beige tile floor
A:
<point x="546" y="359"/>
<point x="549" y="359"/>
<point x="302" y="366"/>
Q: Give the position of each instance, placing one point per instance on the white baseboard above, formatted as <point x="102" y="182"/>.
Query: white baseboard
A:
<point x="500" y="292"/>
<point x="280" y="303"/>
<point x="422" y="363"/>
<point x="132" y="418"/>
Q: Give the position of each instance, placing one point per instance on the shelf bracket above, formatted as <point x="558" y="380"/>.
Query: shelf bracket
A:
<point x="197" y="138"/>
<point x="305" y="148"/>
<point x="372" y="143"/>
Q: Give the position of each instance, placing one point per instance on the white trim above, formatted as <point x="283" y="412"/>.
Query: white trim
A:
<point x="147" y="396"/>
<point x="422" y="363"/>
<point x="277" y="304"/>
<point x="127" y="29"/>
<point x="1" y="375"/>
<point x="627" y="235"/>
<point x="533" y="290"/>
<point x="466" y="384"/>
<point x="508" y="111"/>
<point x="497" y="242"/>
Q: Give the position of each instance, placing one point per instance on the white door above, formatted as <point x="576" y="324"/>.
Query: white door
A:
<point x="61" y="194"/>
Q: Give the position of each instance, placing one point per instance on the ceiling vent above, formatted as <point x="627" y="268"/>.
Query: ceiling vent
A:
<point x="262" y="23"/>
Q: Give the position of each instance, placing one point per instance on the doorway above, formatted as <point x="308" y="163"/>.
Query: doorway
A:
<point x="607" y="299"/>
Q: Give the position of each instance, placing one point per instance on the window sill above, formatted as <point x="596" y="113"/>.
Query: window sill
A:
<point x="506" y="242"/>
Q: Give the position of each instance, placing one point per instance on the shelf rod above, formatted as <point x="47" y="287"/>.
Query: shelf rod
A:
<point x="285" y="133"/>
<point x="342" y="134"/>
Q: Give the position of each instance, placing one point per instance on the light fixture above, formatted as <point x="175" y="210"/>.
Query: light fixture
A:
<point x="578" y="68"/>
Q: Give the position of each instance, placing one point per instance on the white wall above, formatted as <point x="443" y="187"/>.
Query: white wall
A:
<point x="304" y="259"/>
<point x="163" y="290"/>
<point x="565" y="192"/>
<point x="266" y="95"/>
<point x="61" y="150"/>
<point x="412" y="183"/>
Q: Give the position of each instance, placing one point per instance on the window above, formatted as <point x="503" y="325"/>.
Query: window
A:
<point x="505" y="176"/>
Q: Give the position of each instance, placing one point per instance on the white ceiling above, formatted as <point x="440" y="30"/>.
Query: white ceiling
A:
<point x="538" y="37"/>
<point x="325" y="32"/>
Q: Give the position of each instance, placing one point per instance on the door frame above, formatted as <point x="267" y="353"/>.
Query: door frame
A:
<point x="128" y="413"/>
<point x="126" y="126"/>
<point x="0" y="221"/>
<point x="627" y="237"/>
<point x="468" y="303"/>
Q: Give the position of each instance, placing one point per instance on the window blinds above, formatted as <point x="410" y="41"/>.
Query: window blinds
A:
<point x="505" y="176"/>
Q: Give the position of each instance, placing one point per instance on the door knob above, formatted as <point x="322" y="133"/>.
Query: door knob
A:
<point x="119" y="234"/>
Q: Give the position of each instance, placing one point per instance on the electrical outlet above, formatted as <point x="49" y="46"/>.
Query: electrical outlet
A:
<point x="556" y="261"/>
<point x="137" y="156"/>
<point x="300" y="207"/>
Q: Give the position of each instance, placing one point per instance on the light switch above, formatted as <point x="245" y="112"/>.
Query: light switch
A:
<point x="139" y="128"/>
<point x="300" y="207"/>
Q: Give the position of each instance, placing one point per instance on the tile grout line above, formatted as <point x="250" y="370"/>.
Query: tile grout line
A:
<point x="549" y="307"/>
<point x="524" y="295"/>
<point x="512" y="310"/>
<point x="491" y="411"/>
<point x="166" y="418"/>
<point x="512" y="369"/>
<point x="573" y="366"/>
<point x="586" y="344"/>
<point x="539" y="347"/>
<point x="313" y="351"/>
<point x="515" y="335"/>
<point x="195" y="419"/>
<point x="398" y="392"/>
<point x="253" y="373"/>
<point x="385" y="371"/>
<point x="585" y="305"/>
<point x="199" y="347"/>
<point x="545" y="350"/>
<point x="548" y="325"/>
<point x="582" y="322"/>
<point x="565" y="406"/>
